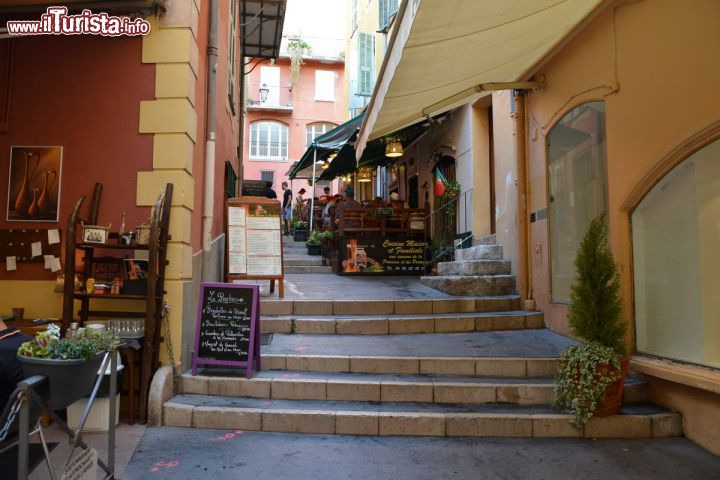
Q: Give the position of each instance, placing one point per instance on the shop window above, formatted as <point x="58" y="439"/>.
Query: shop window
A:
<point x="577" y="188"/>
<point x="676" y="233"/>
<point x="269" y="141"/>
<point x="314" y="130"/>
<point x="325" y="85"/>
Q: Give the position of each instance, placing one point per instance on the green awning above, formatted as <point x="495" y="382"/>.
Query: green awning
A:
<point x="327" y="143"/>
<point x="374" y="153"/>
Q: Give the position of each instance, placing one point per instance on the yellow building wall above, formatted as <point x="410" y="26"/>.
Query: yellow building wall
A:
<point x="172" y="119"/>
<point x="653" y="65"/>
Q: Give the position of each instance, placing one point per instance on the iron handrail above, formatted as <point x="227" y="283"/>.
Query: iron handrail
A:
<point x="445" y="223"/>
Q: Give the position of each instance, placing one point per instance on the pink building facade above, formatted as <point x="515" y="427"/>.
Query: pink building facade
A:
<point x="279" y="128"/>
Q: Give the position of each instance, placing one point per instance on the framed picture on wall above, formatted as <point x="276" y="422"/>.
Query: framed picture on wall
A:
<point x="34" y="184"/>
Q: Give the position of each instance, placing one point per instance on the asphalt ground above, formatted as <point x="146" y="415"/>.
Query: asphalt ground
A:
<point x="183" y="453"/>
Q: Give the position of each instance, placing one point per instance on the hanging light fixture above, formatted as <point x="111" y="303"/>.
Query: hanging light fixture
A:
<point x="325" y="165"/>
<point x="364" y="175"/>
<point x="332" y="155"/>
<point x="394" y="149"/>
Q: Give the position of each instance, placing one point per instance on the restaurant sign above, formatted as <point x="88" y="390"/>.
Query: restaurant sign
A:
<point x="382" y="255"/>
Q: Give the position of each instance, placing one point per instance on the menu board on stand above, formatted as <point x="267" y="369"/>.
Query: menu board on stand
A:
<point x="254" y="241"/>
<point x="227" y="331"/>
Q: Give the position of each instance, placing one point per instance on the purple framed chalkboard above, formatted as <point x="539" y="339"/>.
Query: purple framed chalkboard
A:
<point x="228" y="326"/>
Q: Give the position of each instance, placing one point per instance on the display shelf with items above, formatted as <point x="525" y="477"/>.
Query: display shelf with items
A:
<point x="137" y="281"/>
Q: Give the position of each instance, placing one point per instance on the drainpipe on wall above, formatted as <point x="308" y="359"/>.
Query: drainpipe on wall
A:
<point x="524" y="287"/>
<point x="209" y="164"/>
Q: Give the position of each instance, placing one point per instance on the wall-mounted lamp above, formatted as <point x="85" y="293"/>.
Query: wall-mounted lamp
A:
<point x="264" y="90"/>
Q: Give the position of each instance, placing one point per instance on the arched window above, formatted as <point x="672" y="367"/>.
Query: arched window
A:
<point x="577" y="188"/>
<point x="269" y="141"/>
<point x="314" y="130"/>
<point x="676" y="234"/>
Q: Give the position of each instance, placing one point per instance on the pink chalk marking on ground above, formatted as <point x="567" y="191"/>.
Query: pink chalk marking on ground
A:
<point x="157" y="465"/>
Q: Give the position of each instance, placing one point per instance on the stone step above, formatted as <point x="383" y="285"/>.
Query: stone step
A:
<point x="307" y="269"/>
<point x="480" y="252"/>
<point x="358" y="387"/>
<point x="514" y="353"/>
<point x="369" y="418"/>
<point x="398" y="324"/>
<point x="474" y="267"/>
<point x="295" y="250"/>
<point x="484" y="240"/>
<point x="413" y="365"/>
<point x="389" y="307"/>
<point x="460" y="285"/>
<point x="289" y="242"/>
<point x="302" y="260"/>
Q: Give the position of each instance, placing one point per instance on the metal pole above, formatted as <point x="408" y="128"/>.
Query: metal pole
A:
<point x="113" y="394"/>
<point x="24" y="444"/>
<point x="312" y="194"/>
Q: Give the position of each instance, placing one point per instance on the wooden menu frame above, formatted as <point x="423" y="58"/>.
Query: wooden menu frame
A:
<point x="232" y="255"/>
<point x="253" y="344"/>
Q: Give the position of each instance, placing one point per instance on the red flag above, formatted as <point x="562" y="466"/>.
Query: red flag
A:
<point x="439" y="183"/>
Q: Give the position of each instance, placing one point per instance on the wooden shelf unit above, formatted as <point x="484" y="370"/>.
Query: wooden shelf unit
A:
<point x="153" y="298"/>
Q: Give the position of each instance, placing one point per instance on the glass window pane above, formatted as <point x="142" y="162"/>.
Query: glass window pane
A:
<point x="577" y="187"/>
<point x="676" y="233"/>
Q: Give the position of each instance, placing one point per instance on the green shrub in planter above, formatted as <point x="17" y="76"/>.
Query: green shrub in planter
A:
<point x="582" y="378"/>
<point x="70" y="365"/>
<point x="587" y="370"/>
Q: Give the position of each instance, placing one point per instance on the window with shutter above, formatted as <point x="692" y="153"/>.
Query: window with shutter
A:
<point x="387" y="9"/>
<point x="366" y="63"/>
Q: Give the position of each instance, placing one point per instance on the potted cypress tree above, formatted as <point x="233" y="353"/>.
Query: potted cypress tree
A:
<point x="70" y="364"/>
<point x="591" y="375"/>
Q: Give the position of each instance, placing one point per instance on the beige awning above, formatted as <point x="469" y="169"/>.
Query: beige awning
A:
<point x="442" y="49"/>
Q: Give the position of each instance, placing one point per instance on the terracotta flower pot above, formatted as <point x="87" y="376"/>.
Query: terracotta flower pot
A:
<point x="69" y="379"/>
<point x="612" y="400"/>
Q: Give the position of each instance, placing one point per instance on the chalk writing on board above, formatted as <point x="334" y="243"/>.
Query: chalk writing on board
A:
<point x="225" y="324"/>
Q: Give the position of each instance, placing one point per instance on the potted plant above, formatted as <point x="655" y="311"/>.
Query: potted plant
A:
<point x="313" y="242"/>
<point x="299" y="230"/>
<point x="70" y="364"/>
<point x="591" y="375"/>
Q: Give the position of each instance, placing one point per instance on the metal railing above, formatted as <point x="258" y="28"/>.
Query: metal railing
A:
<point x="453" y="217"/>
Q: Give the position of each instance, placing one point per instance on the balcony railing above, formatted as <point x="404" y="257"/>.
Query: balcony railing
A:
<point x="279" y="97"/>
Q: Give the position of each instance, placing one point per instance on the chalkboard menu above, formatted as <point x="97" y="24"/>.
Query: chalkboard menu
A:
<point x="227" y="330"/>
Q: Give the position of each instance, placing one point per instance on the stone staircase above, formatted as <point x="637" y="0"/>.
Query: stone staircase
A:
<point x="477" y="270"/>
<point x="297" y="260"/>
<point x="470" y="366"/>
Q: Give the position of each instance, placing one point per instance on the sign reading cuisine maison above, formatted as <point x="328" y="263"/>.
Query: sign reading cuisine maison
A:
<point x="228" y="329"/>
<point x="382" y="255"/>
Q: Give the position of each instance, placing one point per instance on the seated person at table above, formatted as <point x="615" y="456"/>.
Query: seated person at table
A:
<point x="10" y="368"/>
<point x="328" y="214"/>
<point x="395" y="201"/>
<point x="326" y="197"/>
<point x="349" y="200"/>
<point x="377" y="203"/>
